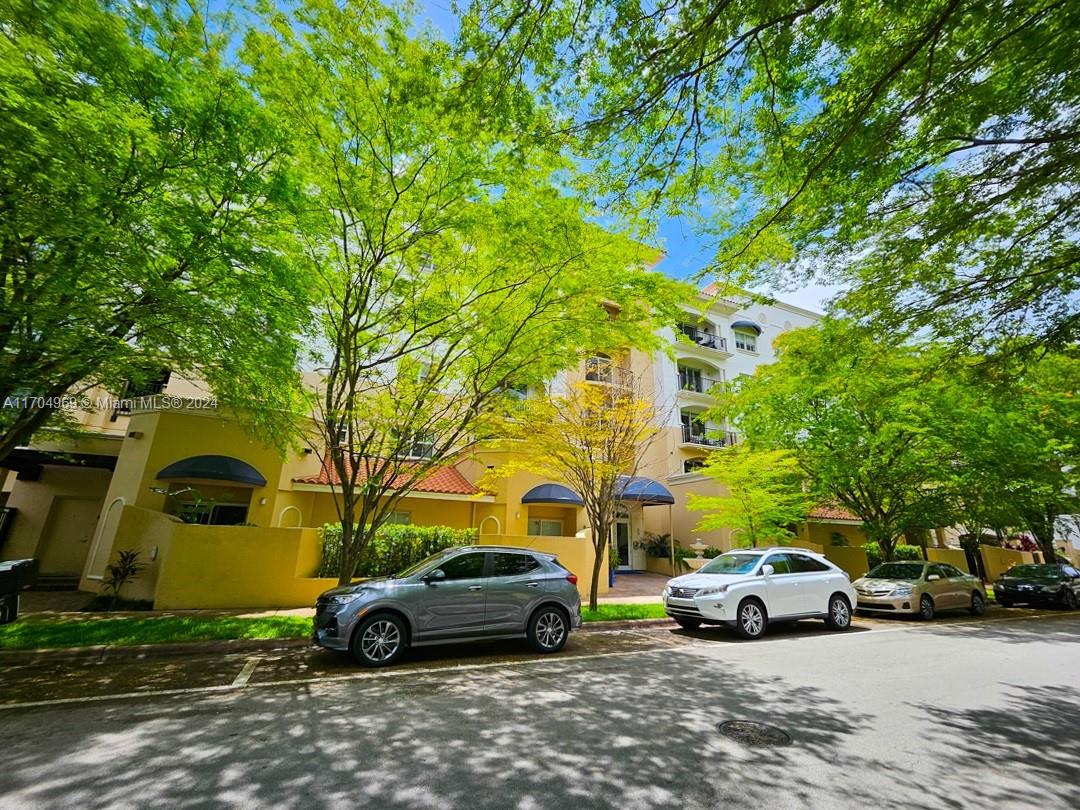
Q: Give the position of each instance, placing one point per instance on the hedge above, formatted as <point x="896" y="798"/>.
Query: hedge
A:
<point x="874" y="556"/>
<point x="393" y="548"/>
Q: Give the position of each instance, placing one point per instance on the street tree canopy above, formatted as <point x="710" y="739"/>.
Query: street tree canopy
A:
<point x="926" y="156"/>
<point x="140" y="190"/>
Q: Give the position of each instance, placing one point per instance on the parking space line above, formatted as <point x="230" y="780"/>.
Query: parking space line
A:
<point x="245" y="674"/>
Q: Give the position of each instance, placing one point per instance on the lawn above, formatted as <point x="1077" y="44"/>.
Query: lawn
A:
<point x="620" y="612"/>
<point x="32" y="634"/>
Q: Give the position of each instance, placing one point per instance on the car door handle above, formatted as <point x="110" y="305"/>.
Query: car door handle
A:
<point x="474" y="587"/>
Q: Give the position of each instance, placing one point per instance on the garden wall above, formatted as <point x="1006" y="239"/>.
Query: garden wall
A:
<point x="951" y="556"/>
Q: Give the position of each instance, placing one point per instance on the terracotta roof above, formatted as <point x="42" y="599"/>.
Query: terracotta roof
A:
<point x="831" y="513"/>
<point x="442" y="480"/>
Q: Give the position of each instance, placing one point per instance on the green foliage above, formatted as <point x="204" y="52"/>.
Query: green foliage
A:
<point x="120" y="572"/>
<point x="615" y="612"/>
<point x="393" y="548"/>
<point x="924" y="155"/>
<point x="142" y="226"/>
<point x="657" y="545"/>
<point x="763" y="494"/>
<point x="838" y="539"/>
<point x="901" y="551"/>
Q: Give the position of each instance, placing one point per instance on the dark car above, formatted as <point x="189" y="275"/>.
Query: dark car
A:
<point x="472" y="593"/>
<point x="1039" y="585"/>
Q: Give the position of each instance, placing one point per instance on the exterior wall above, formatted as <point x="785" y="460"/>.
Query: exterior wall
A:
<point x="851" y="558"/>
<point x="37" y="502"/>
<point x="997" y="561"/>
<point x="822" y="532"/>
<point x="151" y="534"/>
<point x="952" y="556"/>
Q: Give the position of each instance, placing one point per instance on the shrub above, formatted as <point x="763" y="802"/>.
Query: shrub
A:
<point x="902" y="552"/>
<point x="393" y="548"/>
<point x="657" y="545"/>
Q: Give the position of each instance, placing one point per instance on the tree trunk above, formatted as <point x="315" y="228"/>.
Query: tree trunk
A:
<point x="1041" y="524"/>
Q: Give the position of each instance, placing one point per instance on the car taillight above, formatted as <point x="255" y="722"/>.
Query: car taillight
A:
<point x="572" y="579"/>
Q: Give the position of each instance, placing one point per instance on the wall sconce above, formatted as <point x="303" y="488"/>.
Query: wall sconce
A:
<point x="262" y="501"/>
<point x="135" y="434"/>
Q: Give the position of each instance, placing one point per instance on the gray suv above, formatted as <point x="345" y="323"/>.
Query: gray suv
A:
<point x="470" y="593"/>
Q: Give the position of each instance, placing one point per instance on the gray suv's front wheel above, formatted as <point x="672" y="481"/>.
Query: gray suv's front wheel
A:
<point x="548" y="629"/>
<point x="380" y="640"/>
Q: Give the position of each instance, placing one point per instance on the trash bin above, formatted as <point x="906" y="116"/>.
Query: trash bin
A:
<point x="14" y="576"/>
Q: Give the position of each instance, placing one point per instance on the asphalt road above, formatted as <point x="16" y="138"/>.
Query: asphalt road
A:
<point x="972" y="714"/>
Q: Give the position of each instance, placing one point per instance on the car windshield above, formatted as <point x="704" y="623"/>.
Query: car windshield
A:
<point x="412" y="569"/>
<point x="730" y="564"/>
<point x="898" y="570"/>
<point x="1033" y="572"/>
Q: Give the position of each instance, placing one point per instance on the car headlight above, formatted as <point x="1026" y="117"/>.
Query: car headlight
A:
<point x="712" y="590"/>
<point x="666" y="592"/>
<point x="903" y="590"/>
<point x="344" y="598"/>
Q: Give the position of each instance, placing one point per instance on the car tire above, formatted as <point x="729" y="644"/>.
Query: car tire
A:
<point x="978" y="604"/>
<point x="548" y="629"/>
<point x="1004" y="602"/>
<point x="751" y="619"/>
<point x="839" y="615"/>
<point x="926" y="607"/>
<point x="688" y="624"/>
<point x="1068" y="599"/>
<point x="380" y="640"/>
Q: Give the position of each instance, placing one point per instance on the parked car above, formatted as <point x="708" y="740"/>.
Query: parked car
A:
<point x="922" y="588"/>
<point x="749" y="588"/>
<point x="1039" y="585"/>
<point x="469" y="593"/>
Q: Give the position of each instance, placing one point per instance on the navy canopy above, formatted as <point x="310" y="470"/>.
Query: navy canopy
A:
<point x="215" y="468"/>
<point x="749" y="326"/>
<point x="553" y="493"/>
<point x="645" y="490"/>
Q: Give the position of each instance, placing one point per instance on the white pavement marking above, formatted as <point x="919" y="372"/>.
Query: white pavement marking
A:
<point x="451" y="670"/>
<point x="245" y="674"/>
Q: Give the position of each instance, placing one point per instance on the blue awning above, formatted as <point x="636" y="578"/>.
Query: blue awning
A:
<point x="644" y="490"/>
<point x="748" y="326"/>
<point x="553" y="493"/>
<point x="214" y="468"/>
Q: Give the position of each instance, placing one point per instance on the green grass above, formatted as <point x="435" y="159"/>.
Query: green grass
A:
<point x="32" y="634"/>
<point x="613" y="612"/>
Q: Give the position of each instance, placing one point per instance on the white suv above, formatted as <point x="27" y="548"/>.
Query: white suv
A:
<point x="748" y="588"/>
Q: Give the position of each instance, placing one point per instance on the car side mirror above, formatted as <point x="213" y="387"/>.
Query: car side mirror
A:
<point x="932" y="577"/>
<point x="434" y="576"/>
<point x="767" y="570"/>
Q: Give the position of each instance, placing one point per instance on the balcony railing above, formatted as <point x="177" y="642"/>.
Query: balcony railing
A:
<point x="703" y="338"/>
<point x="697" y="435"/>
<point x="698" y="382"/>
<point x="604" y="372"/>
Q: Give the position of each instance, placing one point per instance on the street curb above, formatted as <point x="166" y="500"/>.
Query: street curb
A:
<point x="105" y="652"/>
<point x="623" y="624"/>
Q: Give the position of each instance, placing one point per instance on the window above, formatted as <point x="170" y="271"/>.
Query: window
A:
<point x="465" y="566"/>
<point x="402" y="518"/>
<point x="693" y="465"/>
<point x="690" y="379"/>
<point x="952" y="571"/>
<point x="512" y="565"/>
<point x="781" y="563"/>
<point x="422" y="446"/>
<point x="801" y="564"/>
<point x="747" y="341"/>
<point x="937" y="569"/>
<point x="598" y="368"/>
<point x="539" y="527"/>
<point x="218" y="514"/>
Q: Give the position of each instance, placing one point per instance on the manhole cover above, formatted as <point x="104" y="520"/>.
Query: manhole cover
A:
<point x="750" y="733"/>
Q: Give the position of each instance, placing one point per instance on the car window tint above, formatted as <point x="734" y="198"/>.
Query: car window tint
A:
<point x="464" y="566"/>
<point x="953" y="571"/>
<point x="780" y="563"/>
<point x="513" y="565"/>
<point x="801" y="564"/>
<point x="937" y="569"/>
<point x="1071" y="572"/>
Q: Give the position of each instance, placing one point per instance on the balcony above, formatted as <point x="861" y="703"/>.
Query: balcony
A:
<point x="696" y="434"/>
<point x="702" y="338"/>
<point x="599" y="370"/>
<point x="697" y="383"/>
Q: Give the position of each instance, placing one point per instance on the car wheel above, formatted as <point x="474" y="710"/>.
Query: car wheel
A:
<point x="688" y="624"/>
<point x="839" y="617"/>
<point x="978" y="604"/>
<point x="380" y="640"/>
<point x="1004" y="602"/>
<point x="926" y="607"/>
<point x="548" y="629"/>
<point x="751" y="619"/>
<point x="1069" y="599"/>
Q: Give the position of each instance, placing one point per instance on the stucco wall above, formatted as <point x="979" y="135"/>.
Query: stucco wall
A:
<point x="952" y="556"/>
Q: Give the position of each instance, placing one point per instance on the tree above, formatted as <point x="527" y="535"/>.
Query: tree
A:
<point x="764" y="494"/>
<point x="141" y="188"/>
<point x="865" y="421"/>
<point x="451" y="269"/>
<point x="592" y="438"/>
<point x="925" y="155"/>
